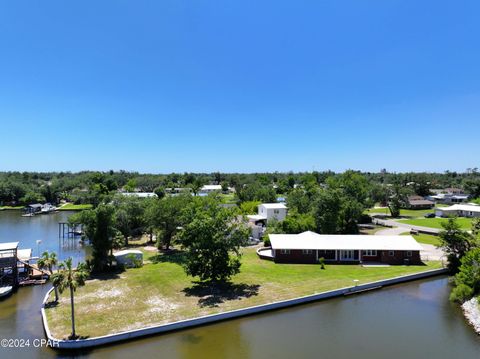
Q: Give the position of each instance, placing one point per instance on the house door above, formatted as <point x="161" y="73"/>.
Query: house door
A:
<point x="347" y="255"/>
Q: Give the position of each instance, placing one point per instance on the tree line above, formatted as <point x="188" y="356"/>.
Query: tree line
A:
<point x="85" y="187"/>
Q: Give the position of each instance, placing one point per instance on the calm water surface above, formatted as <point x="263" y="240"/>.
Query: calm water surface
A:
<point x="413" y="320"/>
<point x="27" y="230"/>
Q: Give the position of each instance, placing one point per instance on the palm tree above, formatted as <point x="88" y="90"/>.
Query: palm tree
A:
<point x="68" y="277"/>
<point x="48" y="261"/>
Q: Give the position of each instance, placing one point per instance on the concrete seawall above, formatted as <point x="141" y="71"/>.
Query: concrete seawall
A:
<point x="131" y="334"/>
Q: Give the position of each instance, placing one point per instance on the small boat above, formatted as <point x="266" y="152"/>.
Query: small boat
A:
<point x="30" y="214"/>
<point x="48" y="208"/>
<point x="4" y="291"/>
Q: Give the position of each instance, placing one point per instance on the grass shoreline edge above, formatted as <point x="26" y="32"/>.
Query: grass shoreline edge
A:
<point x="212" y="318"/>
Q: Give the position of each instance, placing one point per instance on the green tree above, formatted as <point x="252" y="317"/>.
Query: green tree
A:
<point x="327" y="211"/>
<point x="99" y="227"/>
<point x="32" y="197"/>
<point x="224" y="187"/>
<point x="256" y="192"/>
<point x="455" y="242"/>
<point x="212" y="237"/>
<point x="350" y="213"/>
<point x="48" y="261"/>
<point x="69" y="278"/>
<point x="131" y="185"/>
<point x="472" y="186"/>
<point x="249" y="207"/>
<point x="166" y="217"/>
<point x="353" y="185"/>
<point x="196" y="185"/>
<point x="396" y="198"/>
<point x="300" y="200"/>
<point x="160" y="192"/>
<point x="129" y="216"/>
<point x="297" y="223"/>
<point x="467" y="279"/>
<point x="149" y="217"/>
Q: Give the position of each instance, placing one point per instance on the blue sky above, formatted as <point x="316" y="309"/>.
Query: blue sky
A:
<point x="239" y="86"/>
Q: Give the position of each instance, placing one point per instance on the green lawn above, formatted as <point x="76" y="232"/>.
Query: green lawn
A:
<point x="403" y="212"/>
<point x="425" y="238"/>
<point x="465" y="223"/>
<point x="228" y="198"/>
<point x="11" y="207"/>
<point x="160" y="292"/>
<point x="379" y="210"/>
<point x="74" y="207"/>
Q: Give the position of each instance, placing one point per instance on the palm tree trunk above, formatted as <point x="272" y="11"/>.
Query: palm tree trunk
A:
<point x="73" y="313"/>
<point x="56" y="294"/>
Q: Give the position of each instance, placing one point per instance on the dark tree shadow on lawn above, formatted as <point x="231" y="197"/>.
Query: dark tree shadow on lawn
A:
<point x="171" y="256"/>
<point x="211" y="295"/>
<point x="113" y="273"/>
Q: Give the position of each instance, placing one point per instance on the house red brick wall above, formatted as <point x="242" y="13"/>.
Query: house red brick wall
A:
<point x="399" y="257"/>
<point x="295" y="256"/>
<point x="298" y="256"/>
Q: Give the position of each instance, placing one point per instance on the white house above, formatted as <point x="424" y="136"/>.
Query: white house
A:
<point x="209" y="188"/>
<point x="460" y="210"/>
<point x="269" y="211"/>
<point x="449" y="198"/>
<point x="139" y="194"/>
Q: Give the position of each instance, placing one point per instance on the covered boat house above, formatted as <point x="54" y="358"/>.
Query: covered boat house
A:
<point x="8" y="264"/>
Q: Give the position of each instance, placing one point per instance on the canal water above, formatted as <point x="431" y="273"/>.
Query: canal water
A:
<point x="43" y="228"/>
<point x="413" y="320"/>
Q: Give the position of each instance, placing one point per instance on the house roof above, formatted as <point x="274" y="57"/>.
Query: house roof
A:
<point x="35" y="205"/>
<point x="420" y="202"/>
<point x="273" y="205"/>
<point x="256" y="217"/>
<point x="8" y="246"/>
<point x="450" y="195"/>
<point x="312" y="240"/>
<point x="211" y="187"/>
<point x="461" y="207"/>
<point x="24" y="254"/>
<point x="139" y="194"/>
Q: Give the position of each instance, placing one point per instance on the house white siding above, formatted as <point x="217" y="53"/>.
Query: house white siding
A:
<point x="271" y="211"/>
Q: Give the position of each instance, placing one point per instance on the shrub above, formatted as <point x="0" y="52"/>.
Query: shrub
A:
<point x="266" y="241"/>
<point x="461" y="293"/>
<point x="322" y="262"/>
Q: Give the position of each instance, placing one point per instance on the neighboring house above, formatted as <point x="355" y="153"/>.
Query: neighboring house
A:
<point x="459" y="210"/>
<point x="308" y="247"/>
<point x="209" y="188"/>
<point x="449" y="190"/>
<point x="139" y="194"/>
<point x="449" y="196"/>
<point x="418" y="202"/>
<point x="269" y="211"/>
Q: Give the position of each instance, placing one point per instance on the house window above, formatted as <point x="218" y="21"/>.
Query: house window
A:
<point x="391" y="253"/>
<point x="285" y="251"/>
<point x="276" y="211"/>
<point x="369" y="253"/>
<point x="409" y="253"/>
<point x="307" y="251"/>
